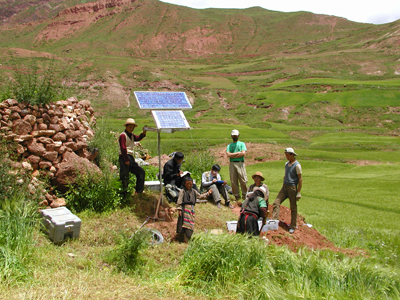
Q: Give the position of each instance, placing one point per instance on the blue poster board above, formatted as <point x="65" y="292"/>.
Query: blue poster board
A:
<point x="162" y="100"/>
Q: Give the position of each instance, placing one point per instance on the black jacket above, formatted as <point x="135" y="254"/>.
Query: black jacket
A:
<point x="171" y="169"/>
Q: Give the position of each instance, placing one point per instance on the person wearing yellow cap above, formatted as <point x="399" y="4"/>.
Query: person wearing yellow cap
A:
<point x="236" y="152"/>
<point x="292" y="184"/>
<point x="126" y="160"/>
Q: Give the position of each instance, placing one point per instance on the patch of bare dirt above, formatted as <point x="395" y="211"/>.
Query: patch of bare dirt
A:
<point x="372" y="68"/>
<point x="81" y="16"/>
<point x="200" y="113"/>
<point x="29" y="53"/>
<point x="304" y="236"/>
<point x="279" y="81"/>
<point x="256" y="153"/>
<point x="303" y="135"/>
<point x="154" y="161"/>
<point x="363" y="162"/>
<point x="394" y="110"/>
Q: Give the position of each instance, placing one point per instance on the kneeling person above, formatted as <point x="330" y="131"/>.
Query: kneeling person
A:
<point x="253" y="208"/>
<point x="212" y="182"/>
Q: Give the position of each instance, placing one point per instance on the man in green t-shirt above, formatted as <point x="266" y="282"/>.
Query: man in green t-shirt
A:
<point x="237" y="170"/>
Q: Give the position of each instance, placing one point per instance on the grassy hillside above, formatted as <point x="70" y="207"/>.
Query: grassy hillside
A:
<point x="326" y="86"/>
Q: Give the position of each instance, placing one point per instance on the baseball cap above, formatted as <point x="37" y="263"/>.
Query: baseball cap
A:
<point x="235" y="132"/>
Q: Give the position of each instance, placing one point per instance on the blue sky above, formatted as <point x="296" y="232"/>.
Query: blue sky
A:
<point x="367" y="11"/>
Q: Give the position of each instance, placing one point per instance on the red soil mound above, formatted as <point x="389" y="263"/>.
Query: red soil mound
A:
<point x="304" y="236"/>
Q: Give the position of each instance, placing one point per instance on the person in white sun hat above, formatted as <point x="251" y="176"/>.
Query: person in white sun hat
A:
<point x="236" y="152"/>
<point x="126" y="160"/>
<point x="292" y="184"/>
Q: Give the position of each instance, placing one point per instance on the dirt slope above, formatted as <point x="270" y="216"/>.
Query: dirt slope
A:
<point x="304" y="236"/>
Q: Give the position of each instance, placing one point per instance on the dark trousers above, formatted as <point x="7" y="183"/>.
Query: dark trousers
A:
<point x="133" y="168"/>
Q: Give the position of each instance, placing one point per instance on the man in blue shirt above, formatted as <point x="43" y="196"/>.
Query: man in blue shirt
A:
<point x="292" y="184"/>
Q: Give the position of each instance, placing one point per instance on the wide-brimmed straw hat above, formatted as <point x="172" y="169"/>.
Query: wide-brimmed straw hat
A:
<point x="262" y="189"/>
<point x="130" y="121"/>
<point x="258" y="173"/>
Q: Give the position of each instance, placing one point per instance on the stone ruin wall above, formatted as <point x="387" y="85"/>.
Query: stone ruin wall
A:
<point x="48" y="135"/>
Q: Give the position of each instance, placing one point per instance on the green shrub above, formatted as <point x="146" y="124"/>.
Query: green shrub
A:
<point x="93" y="191"/>
<point x="36" y="84"/>
<point x="151" y="172"/>
<point x="197" y="163"/>
<point x="106" y="141"/>
<point x="223" y="261"/>
<point x="127" y="256"/>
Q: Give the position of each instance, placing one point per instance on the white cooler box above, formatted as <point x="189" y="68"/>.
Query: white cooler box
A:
<point x="152" y="185"/>
<point x="61" y="224"/>
<point x="269" y="225"/>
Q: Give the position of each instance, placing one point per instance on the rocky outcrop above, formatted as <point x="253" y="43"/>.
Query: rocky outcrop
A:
<point x="70" y="167"/>
<point x="51" y="138"/>
<point x="81" y="16"/>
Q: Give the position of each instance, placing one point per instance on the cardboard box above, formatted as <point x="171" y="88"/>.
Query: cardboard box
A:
<point x="61" y="224"/>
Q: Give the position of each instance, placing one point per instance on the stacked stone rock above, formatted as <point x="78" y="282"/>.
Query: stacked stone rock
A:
<point x="45" y="133"/>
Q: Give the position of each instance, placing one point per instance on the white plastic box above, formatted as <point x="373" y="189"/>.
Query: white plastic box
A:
<point x="61" y="224"/>
<point x="152" y="185"/>
<point x="232" y="225"/>
<point x="269" y="225"/>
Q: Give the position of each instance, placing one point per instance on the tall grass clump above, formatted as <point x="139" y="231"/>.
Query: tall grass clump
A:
<point x="38" y="84"/>
<point x="17" y="221"/>
<point x="382" y="245"/>
<point x="326" y="275"/>
<point x="198" y="162"/>
<point x="18" y="218"/>
<point x="248" y="268"/>
<point x="94" y="191"/>
<point x="106" y="141"/>
<point x="128" y="257"/>
<point x="218" y="263"/>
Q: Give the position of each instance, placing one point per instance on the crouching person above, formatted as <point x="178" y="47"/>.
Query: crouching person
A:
<point x="212" y="181"/>
<point x="185" y="206"/>
<point x="253" y="208"/>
